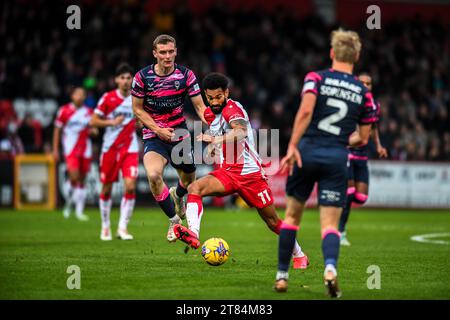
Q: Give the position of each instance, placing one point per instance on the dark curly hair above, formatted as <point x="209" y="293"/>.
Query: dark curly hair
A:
<point x="215" y="80"/>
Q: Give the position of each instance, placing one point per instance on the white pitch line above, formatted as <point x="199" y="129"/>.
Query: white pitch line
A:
<point x="425" y="238"/>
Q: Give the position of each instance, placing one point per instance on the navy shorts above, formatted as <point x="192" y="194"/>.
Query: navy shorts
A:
<point x="358" y="171"/>
<point x="177" y="159"/>
<point x="326" y="165"/>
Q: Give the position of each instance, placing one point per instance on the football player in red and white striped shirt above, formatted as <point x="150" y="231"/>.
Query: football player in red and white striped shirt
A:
<point x="73" y="120"/>
<point x="240" y="166"/>
<point x="119" y="151"/>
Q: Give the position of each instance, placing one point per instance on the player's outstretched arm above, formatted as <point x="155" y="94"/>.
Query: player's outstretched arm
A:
<point x="237" y="133"/>
<point x="375" y="135"/>
<point x="138" y="110"/>
<point x="98" y="122"/>
<point x="56" y="139"/>
<point x="199" y="106"/>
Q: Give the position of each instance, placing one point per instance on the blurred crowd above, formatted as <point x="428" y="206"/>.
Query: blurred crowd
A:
<point x="265" y="55"/>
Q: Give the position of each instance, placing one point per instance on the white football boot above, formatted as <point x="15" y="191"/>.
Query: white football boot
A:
<point x="67" y="210"/>
<point x="82" y="217"/>
<point x="330" y="280"/>
<point x="180" y="205"/>
<point x="171" y="237"/>
<point x="123" y="234"/>
<point x="105" y="234"/>
<point x="344" y="239"/>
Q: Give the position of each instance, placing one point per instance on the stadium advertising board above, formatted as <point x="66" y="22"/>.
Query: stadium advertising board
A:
<point x="410" y="185"/>
<point x="143" y="194"/>
<point x="392" y="184"/>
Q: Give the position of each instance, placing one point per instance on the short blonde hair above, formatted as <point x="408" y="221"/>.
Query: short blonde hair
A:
<point x="346" y="45"/>
<point x="163" y="39"/>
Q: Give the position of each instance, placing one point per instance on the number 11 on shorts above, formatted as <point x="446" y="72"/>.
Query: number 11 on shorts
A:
<point x="264" y="195"/>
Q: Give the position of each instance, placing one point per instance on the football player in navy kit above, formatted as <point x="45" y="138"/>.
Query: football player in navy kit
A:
<point x="159" y="91"/>
<point x="333" y="103"/>
<point x="358" y="170"/>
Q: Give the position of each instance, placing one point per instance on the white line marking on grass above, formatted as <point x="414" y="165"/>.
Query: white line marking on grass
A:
<point x="425" y="238"/>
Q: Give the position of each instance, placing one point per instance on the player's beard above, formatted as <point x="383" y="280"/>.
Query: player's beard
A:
<point x="217" y="109"/>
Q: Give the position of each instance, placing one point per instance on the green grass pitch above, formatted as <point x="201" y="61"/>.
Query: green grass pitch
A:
<point x="37" y="247"/>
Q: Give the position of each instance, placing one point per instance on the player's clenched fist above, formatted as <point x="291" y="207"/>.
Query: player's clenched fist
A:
<point x="165" y="134"/>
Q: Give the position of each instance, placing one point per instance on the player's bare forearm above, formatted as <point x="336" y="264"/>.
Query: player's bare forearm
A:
<point x="355" y="139"/>
<point x="56" y="140"/>
<point x="303" y="118"/>
<point x="56" y="137"/>
<point x="361" y="136"/>
<point x="375" y="136"/>
<point x="237" y="133"/>
<point x="98" y="122"/>
<point x="199" y="107"/>
<point x="142" y="116"/>
<point x="301" y="124"/>
<point x="231" y="136"/>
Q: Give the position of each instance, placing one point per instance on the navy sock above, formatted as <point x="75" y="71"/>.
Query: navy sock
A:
<point x="168" y="207"/>
<point x="346" y="212"/>
<point x="330" y="247"/>
<point x="181" y="190"/>
<point x="165" y="202"/>
<point x="285" y="246"/>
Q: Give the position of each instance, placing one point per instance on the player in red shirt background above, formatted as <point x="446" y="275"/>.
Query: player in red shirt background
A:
<point x="72" y="120"/>
<point x="119" y="151"/>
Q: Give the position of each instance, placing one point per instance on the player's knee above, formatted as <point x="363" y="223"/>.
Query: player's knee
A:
<point x="130" y="190"/>
<point x="73" y="183"/>
<point x="360" y="198"/>
<point x="74" y="178"/>
<point x="106" y="187"/>
<point x="155" y="178"/>
<point x="106" y="194"/>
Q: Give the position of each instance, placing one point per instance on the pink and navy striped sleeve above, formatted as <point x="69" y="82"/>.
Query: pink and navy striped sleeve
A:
<point x="311" y="83"/>
<point x="192" y="84"/>
<point x="378" y="112"/>
<point x="369" y="110"/>
<point x="138" y="87"/>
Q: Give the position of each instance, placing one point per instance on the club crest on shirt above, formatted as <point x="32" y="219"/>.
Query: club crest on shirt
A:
<point x="150" y="86"/>
<point x="177" y="85"/>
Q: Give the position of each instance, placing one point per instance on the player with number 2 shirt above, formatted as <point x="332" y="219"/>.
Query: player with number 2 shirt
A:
<point x="336" y="110"/>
